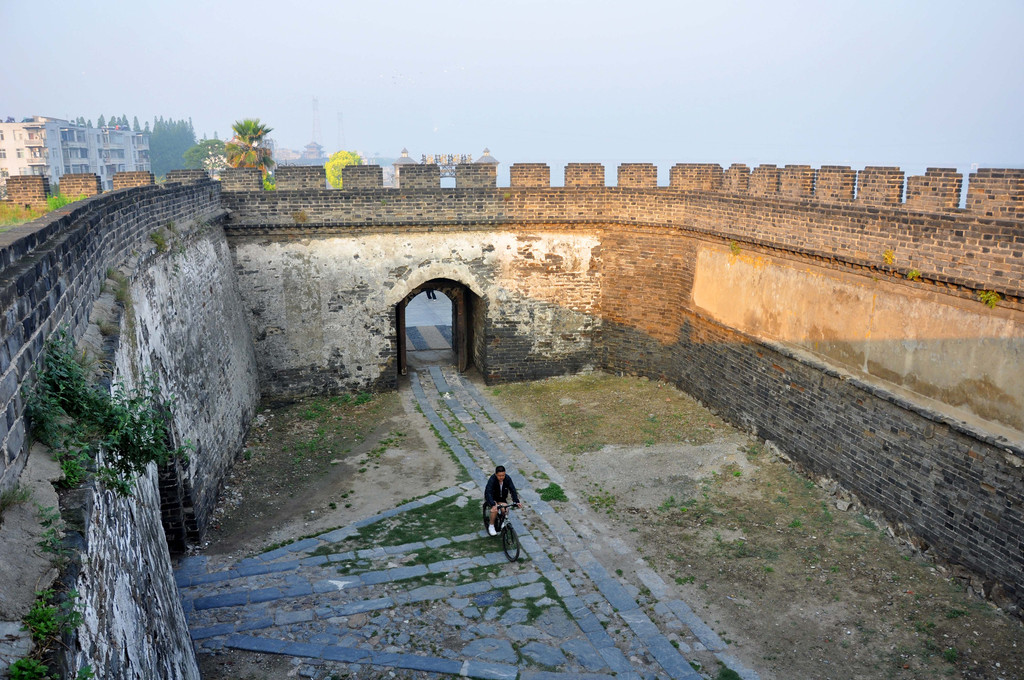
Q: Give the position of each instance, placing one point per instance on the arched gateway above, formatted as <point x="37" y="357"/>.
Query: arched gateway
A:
<point x="466" y="314"/>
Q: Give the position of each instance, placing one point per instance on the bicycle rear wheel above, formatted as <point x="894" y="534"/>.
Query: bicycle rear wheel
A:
<point x="510" y="542"/>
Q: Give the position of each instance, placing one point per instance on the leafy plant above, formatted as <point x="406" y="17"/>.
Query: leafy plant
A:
<point x="29" y="669"/>
<point x="76" y="420"/>
<point x="158" y="238"/>
<point x="889" y="256"/>
<point x="914" y="274"/>
<point x="734" y="248"/>
<point x="989" y="297"/>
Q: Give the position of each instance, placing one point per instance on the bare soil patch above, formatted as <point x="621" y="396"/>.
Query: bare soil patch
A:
<point x="798" y="587"/>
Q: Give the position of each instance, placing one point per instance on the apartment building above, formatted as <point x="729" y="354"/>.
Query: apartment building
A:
<point x="55" y="147"/>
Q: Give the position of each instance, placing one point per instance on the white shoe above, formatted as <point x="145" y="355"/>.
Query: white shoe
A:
<point x="491" y="531"/>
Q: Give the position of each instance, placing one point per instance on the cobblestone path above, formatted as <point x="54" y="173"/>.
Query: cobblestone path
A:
<point x="556" y="613"/>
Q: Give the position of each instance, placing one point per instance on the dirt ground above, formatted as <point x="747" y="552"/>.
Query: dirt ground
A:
<point x="799" y="587"/>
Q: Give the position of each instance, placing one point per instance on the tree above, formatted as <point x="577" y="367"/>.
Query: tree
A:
<point x="336" y="162"/>
<point x="168" y="143"/>
<point x="207" y="155"/>
<point x="135" y="124"/>
<point x="248" y="148"/>
<point x="101" y="121"/>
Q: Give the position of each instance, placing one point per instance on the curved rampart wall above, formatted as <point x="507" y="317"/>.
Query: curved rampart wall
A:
<point x="184" y="324"/>
<point x="846" y="327"/>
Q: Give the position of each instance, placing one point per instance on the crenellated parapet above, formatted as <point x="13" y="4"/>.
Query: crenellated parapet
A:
<point x="996" y="193"/>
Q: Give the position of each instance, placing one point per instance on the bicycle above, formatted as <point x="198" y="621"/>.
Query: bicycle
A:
<point x="509" y="540"/>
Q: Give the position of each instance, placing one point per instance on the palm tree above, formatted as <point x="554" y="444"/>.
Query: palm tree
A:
<point x="247" y="148"/>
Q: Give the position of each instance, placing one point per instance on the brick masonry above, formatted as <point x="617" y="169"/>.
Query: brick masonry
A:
<point x="996" y="193"/>
<point x="419" y="177"/>
<point x="937" y="189"/>
<point x="584" y="175"/>
<point x="135" y="178"/>
<point x="835" y="183"/>
<point x="187" y="176"/>
<point x="476" y="176"/>
<point x="696" y="177"/>
<point x="638" y="175"/>
<point x="28" y="190"/>
<point x="80" y="184"/>
<point x="362" y="177"/>
<point x="764" y="181"/>
<point x="880" y="185"/>
<point x="241" y="179"/>
<point x="291" y="177"/>
<point x="530" y="175"/>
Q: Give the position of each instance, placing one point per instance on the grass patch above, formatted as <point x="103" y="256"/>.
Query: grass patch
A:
<point x="444" y="518"/>
<point x="553" y="492"/>
<point x="587" y="412"/>
<point x="11" y="497"/>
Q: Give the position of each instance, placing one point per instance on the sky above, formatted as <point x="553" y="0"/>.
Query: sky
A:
<point x="914" y="84"/>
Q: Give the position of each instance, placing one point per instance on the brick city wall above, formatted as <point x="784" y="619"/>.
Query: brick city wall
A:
<point x="52" y="272"/>
<point x="958" y="488"/>
<point x="961" y="247"/>
<point x="362" y="177"/>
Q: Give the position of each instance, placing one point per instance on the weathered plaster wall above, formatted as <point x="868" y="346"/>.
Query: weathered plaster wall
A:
<point x="322" y="315"/>
<point x="955" y="351"/>
<point x="192" y="334"/>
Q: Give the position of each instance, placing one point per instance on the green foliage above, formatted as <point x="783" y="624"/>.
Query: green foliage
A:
<point x="989" y="297"/>
<point x="726" y="673"/>
<point x="951" y="655"/>
<point x="269" y="183"/>
<point x="889" y="256"/>
<point x="50" y="616"/>
<point x="60" y="200"/>
<point x="516" y="425"/>
<point x="160" y="240"/>
<point x="734" y="248"/>
<point x="553" y="492"/>
<point x="168" y="143"/>
<point x="336" y="162"/>
<point x="209" y="155"/>
<point x="76" y="420"/>
<point x="914" y="274"/>
<point x="248" y="148"/>
<point x="29" y="669"/>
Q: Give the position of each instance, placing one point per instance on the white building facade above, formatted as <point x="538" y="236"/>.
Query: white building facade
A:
<point x="55" y="147"/>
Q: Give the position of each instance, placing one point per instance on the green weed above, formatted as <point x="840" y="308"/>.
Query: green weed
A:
<point x="553" y="492"/>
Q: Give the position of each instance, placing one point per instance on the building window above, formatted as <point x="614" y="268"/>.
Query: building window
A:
<point x="21" y="153"/>
<point x="3" y="153"/>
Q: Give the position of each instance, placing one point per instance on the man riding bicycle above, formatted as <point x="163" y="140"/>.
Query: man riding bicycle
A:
<point x="499" y="486"/>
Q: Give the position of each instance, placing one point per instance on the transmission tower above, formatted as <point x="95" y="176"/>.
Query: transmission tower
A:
<point x="316" y="120"/>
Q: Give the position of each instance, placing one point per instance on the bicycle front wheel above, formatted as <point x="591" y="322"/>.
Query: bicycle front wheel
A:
<point x="510" y="542"/>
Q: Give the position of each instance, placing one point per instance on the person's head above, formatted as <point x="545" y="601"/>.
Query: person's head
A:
<point x="499" y="472"/>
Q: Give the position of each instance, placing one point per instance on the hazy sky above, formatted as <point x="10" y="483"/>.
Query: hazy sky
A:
<point x="853" y="82"/>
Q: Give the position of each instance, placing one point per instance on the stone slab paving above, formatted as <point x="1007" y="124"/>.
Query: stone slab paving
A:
<point x="557" y="613"/>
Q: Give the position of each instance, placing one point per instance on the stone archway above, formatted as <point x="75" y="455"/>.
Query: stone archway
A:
<point x="466" y="322"/>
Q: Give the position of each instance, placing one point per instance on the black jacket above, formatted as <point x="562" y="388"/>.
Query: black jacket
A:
<point x="491" y="495"/>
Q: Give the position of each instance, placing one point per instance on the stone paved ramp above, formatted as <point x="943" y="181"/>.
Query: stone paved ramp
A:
<point x="557" y="613"/>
